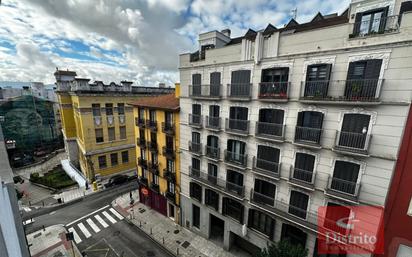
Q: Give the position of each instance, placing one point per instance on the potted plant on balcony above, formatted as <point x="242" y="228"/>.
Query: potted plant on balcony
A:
<point x="355" y="90"/>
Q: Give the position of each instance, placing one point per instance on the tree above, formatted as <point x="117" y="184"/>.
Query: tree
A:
<point x="283" y="249"/>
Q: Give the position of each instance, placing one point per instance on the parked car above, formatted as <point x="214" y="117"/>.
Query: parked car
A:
<point x="117" y="180"/>
<point x="18" y="179"/>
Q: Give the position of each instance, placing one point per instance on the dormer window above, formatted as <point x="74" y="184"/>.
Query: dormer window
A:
<point x="371" y="22"/>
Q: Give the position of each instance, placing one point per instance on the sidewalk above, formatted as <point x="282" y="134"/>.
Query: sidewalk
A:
<point x="51" y="242"/>
<point x="176" y="238"/>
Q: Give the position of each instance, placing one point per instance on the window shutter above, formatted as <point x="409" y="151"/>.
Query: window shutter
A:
<point x="383" y="21"/>
<point x="241" y="216"/>
<point x="196" y="79"/>
<point x="373" y="68"/>
<point x="328" y="71"/>
<point x="405" y="7"/>
<point x="215" y="78"/>
<point x="309" y="72"/>
<point x="300" y="119"/>
<point x="357" y="25"/>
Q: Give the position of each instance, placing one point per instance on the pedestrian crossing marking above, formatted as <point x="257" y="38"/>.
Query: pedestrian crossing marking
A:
<point x="110" y="218"/>
<point x="84" y="230"/>
<point x="120" y="217"/>
<point x="101" y="221"/>
<point x="95" y="228"/>
<point x="77" y="239"/>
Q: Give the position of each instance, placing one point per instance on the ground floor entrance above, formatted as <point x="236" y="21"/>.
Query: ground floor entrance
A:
<point x="217" y="228"/>
<point x="153" y="199"/>
<point x="242" y="247"/>
<point x="295" y="235"/>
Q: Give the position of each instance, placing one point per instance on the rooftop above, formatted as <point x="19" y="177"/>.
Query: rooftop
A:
<point x="164" y="102"/>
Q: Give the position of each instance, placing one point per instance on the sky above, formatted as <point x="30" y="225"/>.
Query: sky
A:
<point x="135" y="40"/>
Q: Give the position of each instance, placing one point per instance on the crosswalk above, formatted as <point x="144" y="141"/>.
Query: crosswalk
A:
<point x="93" y="223"/>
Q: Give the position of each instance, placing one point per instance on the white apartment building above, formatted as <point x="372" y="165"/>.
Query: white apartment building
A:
<point x="281" y="121"/>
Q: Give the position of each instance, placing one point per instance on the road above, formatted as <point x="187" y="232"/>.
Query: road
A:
<point x="99" y="229"/>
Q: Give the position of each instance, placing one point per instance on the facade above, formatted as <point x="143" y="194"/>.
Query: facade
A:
<point x="398" y="209"/>
<point x="97" y="124"/>
<point x="282" y="121"/>
<point x="12" y="238"/>
<point x="158" y="159"/>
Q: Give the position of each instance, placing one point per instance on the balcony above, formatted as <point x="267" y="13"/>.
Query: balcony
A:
<point x="141" y="142"/>
<point x="238" y="127"/>
<point x="152" y="146"/>
<point x="196" y="56"/>
<point x="195" y="120"/>
<point x="302" y="178"/>
<point x="212" y="152"/>
<point x="153" y="167"/>
<point x="213" y="123"/>
<point x="169" y="175"/>
<point x="152" y="125"/>
<point x="352" y="143"/>
<point x="274" y="91"/>
<point x="270" y="131"/>
<point x="343" y="189"/>
<point x="352" y="92"/>
<point x="142" y="163"/>
<point x="215" y="182"/>
<point x="140" y="122"/>
<point x="143" y="180"/>
<point x="266" y="168"/>
<point x="122" y="119"/>
<point x="239" y="92"/>
<point x="236" y="158"/>
<point x="307" y="136"/>
<point x="171" y="196"/>
<point x="195" y="148"/>
<point x="383" y="25"/>
<point x="260" y="198"/>
<point x="168" y="152"/>
<point x="168" y="128"/>
<point x="212" y="92"/>
<point x="97" y="121"/>
<point x="155" y="187"/>
<point x="110" y="120"/>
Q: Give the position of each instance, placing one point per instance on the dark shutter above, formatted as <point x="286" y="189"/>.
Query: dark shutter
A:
<point x="373" y="68"/>
<point x="345" y="172"/>
<point x="196" y="109"/>
<point x="215" y="78"/>
<point x="355" y="122"/>
<point x="383" y="20"/>
<point x="405" y="7"/>
<point x="196" y="79"/>
<point x="305" y="161"/>
<point x="357" y="25"/>
<point x="240" y="77"/>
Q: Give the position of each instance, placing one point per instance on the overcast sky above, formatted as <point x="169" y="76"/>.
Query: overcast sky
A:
<point x="137" y="40"/>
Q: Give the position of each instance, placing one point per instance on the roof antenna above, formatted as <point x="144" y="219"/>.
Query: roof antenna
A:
<point x="294" y="13"/>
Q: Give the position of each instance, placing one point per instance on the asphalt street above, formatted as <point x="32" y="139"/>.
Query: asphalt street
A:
<point x="101" y="231"/>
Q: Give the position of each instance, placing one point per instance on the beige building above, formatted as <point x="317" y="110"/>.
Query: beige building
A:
<point x="282" y="121"/>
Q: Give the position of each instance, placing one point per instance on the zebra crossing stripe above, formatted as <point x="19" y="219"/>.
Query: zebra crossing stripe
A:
<point x="77" y="239"/>
<point x="110" y="218"/>
<point x="93" y="225"/>
<point x="120" y="217"/>
<point x="101" y="221"/>
<point x="84" y="230"/>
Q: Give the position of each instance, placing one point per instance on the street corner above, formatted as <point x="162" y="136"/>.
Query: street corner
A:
<point x="101" y="248"/>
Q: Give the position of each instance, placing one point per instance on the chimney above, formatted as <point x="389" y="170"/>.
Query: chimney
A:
<point x="226" y="32"/>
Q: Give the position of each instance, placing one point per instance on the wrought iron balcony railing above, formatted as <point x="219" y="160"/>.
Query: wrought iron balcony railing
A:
<point x="141" y="142"/>
<point x="307" y="135"/>
<point x="195" y="147"/>
<point x="169" y="175"/>
<point x="152" y="145"/>
<point x="236" y="158"/>
<point x="168" y="128"/>
<point x="205" y="91"/>
<point x="270" y="130"/>
<point x="151" y="124"/>
<point x="274" y="91"/>
<point x="343" y="188"/>
<point x="266" y="167"/>
<point x="140" y="122"/>
<point x="302" y="177"/>
<point x="241" y="91"/>
<point x="212" y="152"/>
<point x="168" y="152"/>
<point x="195" y="120"/>
<point x="351" y="142"/>
<point x="376" y="26"/>
<point x="142" y="163"/>
<point x="237" y="126"/>
<point x="213" y="122"/>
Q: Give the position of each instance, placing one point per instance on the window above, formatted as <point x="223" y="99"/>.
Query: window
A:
<point x="142" y="134"/>
<point x="170" y="165"/>
<point x="155" y="179"/>
<point x="264" y="192"/>
<point x="169" y="142"/>
<point x="196" y="191"/>
<point x="141" y="113"/>
<point x="298" y="204"/>
<point x="212" y="199"/>
<point x="236" y="151"/>
<point x="109" y="109"/>
<point x="345" y="177"/>
<point x="238" y="119"/>
<point x="112" y="134"/>
<point x="304" y="165"/>
<point x="370" y="22"/>
<point x="240" y="83"/>
<point x="169" y="118"/>
<point x="275" y="75"/>
<point x="122" y="132"/>
<point x="212" y="148"/>
<point x="170" y="187"/>
<point x="233" y="208"/>
<point x="234" y="181"/>
<point x="145" y="173"/>
<point x="274" y="83"/>
<point x="309" y="127"/>
<point x="99" y="135"/>
<point x="96" y="110"/>
<point x="270" y="122"/>
<point x="196" y="216"/>
<point x="113" y="159"/>
<point x="317" y="80"/>
<point x="261" y="222"/>
<point x="120" y="108"/>
<point x="213" y="119"/>
<point x="212" y="173"/>
<point x="362" y="79"/>
<point x="195" y="116"/>
<point x="354" y="131"/>
<point x="294" y="235"/>
<point x="196" y="84"/>
<point x="125" y="156"/>
<point x="152" y="115"/>
<point x="268" y="158"/>
<point x="102" y="162"/>
<point x="215" y="84"/>
<point x="153" y="138"/>
<point x="195" y="164"/>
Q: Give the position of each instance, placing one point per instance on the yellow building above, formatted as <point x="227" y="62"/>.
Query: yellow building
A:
<point x="98" y="125"/>
<point x="157" y="139"/>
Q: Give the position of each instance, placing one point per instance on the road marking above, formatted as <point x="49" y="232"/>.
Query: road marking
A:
<point x="102" y="222"/>
<point x="84" y="230"/>
<point x="109" y="217"/>
<point x="71" y="223"/>
<point x="93" y="226"/>
<point x="77" y="239"/>
<point x="120" y="217"/>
